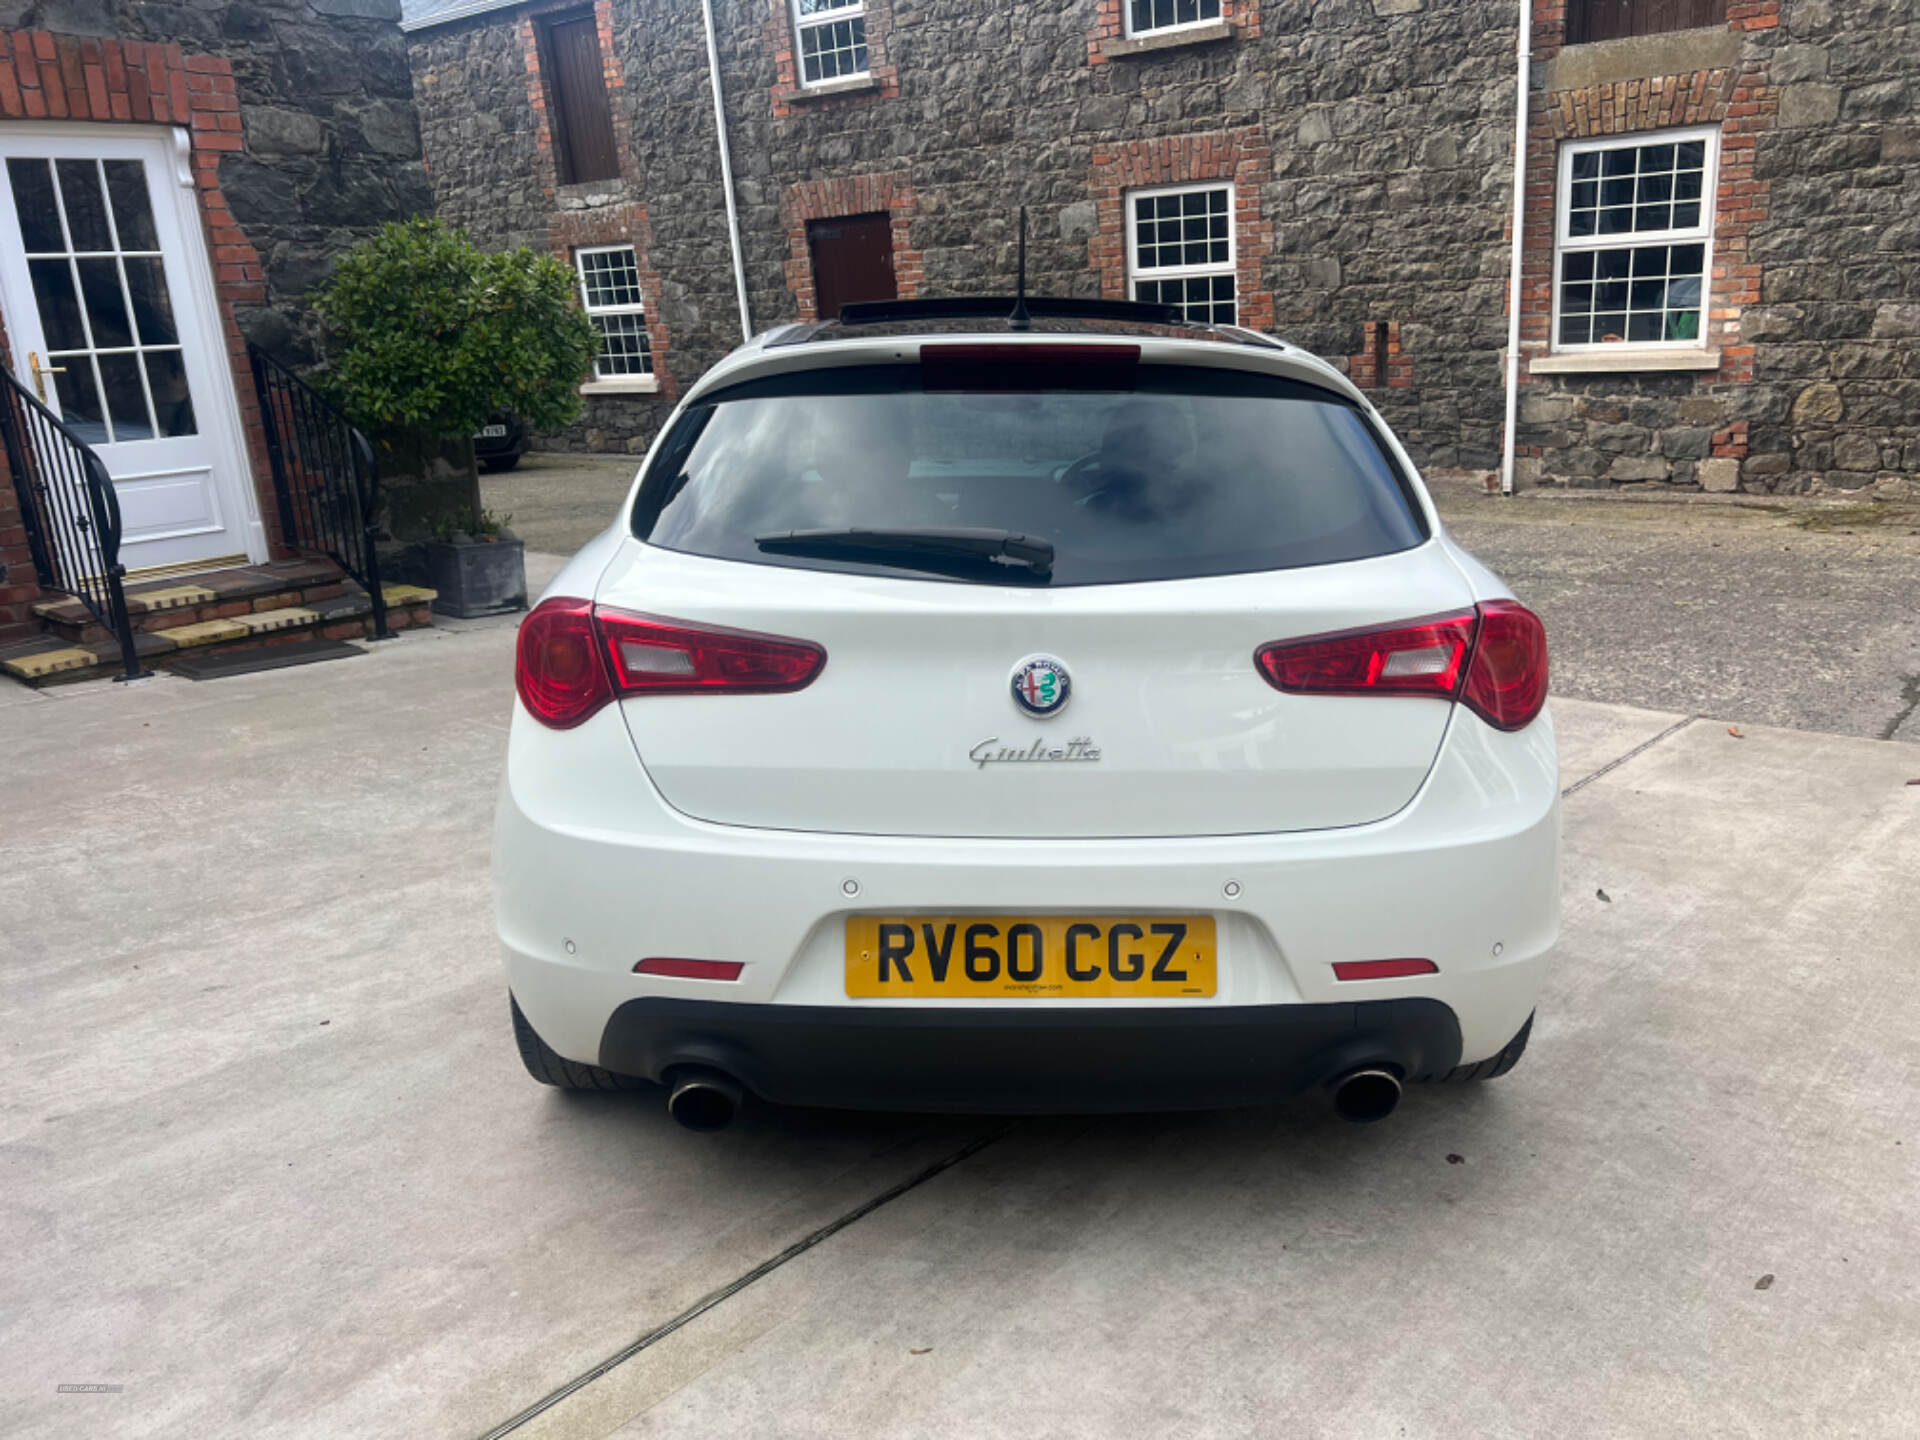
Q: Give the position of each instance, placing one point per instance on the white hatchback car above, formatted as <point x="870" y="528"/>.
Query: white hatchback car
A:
<point x="970" y="717"/>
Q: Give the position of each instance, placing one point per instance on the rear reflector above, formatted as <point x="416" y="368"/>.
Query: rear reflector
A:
<point x="1382" y="969"/>
<point x="573" y="657"/>
<point x="1492" y="658"/>
<point x="690" y="969"/>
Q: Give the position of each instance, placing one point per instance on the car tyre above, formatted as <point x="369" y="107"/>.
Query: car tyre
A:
<point x="1496" y="1066"/>
<point x="494" y="464"/>
<point x="550" y="1068"/>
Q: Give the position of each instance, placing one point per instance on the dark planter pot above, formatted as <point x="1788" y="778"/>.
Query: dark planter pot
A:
<point x="480" y="578"/>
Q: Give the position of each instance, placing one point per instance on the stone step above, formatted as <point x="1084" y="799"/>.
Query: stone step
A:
<point x="53" y="659"/>
<point x="217" y="595"/>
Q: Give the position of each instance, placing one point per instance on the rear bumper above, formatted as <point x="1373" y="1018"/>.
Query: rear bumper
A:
<point x="592" y="872"/>
<point x="1019" y="1061"/>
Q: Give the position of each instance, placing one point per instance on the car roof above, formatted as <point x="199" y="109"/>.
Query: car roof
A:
<point x="891" y="332"/>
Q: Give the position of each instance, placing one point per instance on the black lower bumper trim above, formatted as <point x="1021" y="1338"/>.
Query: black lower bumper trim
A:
<point x="1031" y="1060"/>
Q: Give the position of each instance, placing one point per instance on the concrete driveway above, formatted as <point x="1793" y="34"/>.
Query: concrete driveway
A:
<point x="271" y="1165"/>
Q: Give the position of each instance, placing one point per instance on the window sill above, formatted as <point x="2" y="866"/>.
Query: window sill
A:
<point x="633" y="385"/>
<point x="1613" y="362"/>
<point x="1210" y="33"/>
<point x="852" y="85"/>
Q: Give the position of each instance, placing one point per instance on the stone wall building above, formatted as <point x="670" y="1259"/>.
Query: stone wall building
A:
<point x="1357" y="154"/>
<point x="177" y="177"/>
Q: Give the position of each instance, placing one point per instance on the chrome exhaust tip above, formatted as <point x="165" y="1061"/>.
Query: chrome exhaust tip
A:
<point x="1364" y="1096"/>
<point x="704" y="1100"/>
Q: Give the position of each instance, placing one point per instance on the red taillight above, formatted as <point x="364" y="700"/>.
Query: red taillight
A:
<point x="690" y="969"/>
<point x="1420" y="658"/>
<point x="573" y="658"/>
<point x="1507" y="682"/>
<point x="1382" y="969"/>
<point x="661" y="657"/>
<point x="557" y="667"/>
<point x="1492" y="658"/>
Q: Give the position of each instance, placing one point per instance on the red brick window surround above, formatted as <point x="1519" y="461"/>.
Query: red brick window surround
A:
<point x="1114" y="35"/>
<point x="1738" y="100"/>
<point x="620" y="225"/>
<point x="854" y="195"/>
<point x="529" y="34"/>
<point x="44" y="76"/>
<point x="790" y="95"/>
<point x="1241" y="157"/>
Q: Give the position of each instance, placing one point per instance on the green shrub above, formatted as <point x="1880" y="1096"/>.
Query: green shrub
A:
<point x="428" y="336"/>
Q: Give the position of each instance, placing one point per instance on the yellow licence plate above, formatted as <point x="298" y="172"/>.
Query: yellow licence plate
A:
<point x="1012" y="957"/>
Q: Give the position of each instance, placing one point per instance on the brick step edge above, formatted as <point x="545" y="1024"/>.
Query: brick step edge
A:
<point x="101" y="659"/>
<point x="86" y="630"/>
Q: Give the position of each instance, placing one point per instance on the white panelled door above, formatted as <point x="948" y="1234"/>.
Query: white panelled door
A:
<point x="109" y="305"/>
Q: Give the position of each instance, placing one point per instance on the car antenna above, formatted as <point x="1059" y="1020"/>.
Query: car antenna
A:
<point x="1019" y="319"/>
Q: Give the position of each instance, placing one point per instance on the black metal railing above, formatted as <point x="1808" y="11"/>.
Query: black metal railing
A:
<point x="325" y="481"/>
<point x="70" y="512"/>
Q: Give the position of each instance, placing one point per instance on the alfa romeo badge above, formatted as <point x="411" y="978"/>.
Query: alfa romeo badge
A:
<point x="1041" y="686"/>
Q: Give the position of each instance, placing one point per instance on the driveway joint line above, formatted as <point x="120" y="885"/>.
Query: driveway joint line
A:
<point x="1640" y="749"/>
<point x="759" y="1272"/>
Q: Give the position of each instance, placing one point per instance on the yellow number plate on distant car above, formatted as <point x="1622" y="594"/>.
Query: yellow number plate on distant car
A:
<point x="1012" y="957"/>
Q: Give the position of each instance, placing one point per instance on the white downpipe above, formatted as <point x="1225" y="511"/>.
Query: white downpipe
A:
<point x="726" y="173"/>
<point x="1522" y="76"/>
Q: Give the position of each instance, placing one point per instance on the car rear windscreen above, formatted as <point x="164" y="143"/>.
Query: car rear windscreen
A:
<point x="1185" y="472"/>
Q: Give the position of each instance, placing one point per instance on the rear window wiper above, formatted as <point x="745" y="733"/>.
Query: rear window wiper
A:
<point x="932" y="547"/>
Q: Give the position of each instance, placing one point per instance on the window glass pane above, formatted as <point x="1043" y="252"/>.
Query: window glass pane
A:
<point x="1190" y="473"/>
<point x="1686" y="215"/>
<point x="624" y="349"/>
<point x="1617" y="162"/>
<point x="59" y="308"/>
<point x="1189" y="228"/>
<point x="1159" y="14"/>
<point x="106" y="306"/>
<point x="1692" y="154"/>
<point x="818" y="7"/>
<point x="172" y="403"/>
<point x="835" y="50"/>
<point x="609" y="278"/>
<point x="80" y="400"/>
<point x="86" y="204"/>
<point x="1656" y="157"/>
<point x="132" y="207"/>
<point x="1586" y="165"/>
<point x="1646" y="294"/>
<point x="152" y="311"/>
<point x="126" y="397"/>
<point x="32" y="182"/>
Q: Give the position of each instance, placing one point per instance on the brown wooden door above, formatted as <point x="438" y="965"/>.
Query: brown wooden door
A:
<point x="577" y="91"/>
<point x="852" y="260"/>
<point x="1589" y="20"/>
